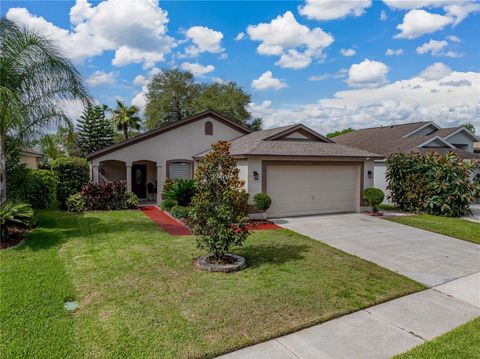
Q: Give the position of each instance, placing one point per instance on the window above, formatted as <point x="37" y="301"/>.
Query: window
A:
<point x="208" y="128"/>
<point x="180" y="170"/>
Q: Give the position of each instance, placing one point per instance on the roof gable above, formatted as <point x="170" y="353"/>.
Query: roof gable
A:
<point x="464" y="130"/>
<point x="425" y="130"/>
<point x="435" y="142"/>
<point x="298" y="133"/>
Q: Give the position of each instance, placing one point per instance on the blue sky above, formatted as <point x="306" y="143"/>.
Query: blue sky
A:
<point x="324" y="63"/>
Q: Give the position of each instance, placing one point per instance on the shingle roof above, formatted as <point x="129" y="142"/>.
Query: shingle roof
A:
<point x="255" y="144"/>
<point x="389" y="139"/>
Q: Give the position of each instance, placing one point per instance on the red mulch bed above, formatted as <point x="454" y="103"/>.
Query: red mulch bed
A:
<point x="166" y="222"/>
<point x="259" y="225"/>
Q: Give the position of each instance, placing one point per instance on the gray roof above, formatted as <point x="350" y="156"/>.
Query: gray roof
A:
<point x="389" y="139"/>
<point x="256" y="144"/>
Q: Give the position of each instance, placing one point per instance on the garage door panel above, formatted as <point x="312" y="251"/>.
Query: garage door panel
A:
<point x="302" y="190"/>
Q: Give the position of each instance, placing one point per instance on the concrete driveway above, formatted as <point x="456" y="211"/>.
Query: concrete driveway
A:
<point x="424" y="256"/>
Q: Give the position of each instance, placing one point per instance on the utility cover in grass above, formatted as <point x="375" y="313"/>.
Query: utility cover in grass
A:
<point x="72" y="305"/>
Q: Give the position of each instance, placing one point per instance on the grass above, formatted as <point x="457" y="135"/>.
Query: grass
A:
<point x="141" y="298"/>
<point x="453" y="227"/>
<point x="462" y="342"/>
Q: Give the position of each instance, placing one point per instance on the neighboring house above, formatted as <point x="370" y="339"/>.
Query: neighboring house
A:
<point x="410" y="137"/>
<point x="303" y="171"/>
<point x="30" y="158"/>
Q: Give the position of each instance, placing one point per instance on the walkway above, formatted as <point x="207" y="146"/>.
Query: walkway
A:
<point x="167" y="223"/>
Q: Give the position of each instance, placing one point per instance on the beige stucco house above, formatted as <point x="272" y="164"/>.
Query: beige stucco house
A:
<point x="303" y="171"/>
<point x="30" y="158"/>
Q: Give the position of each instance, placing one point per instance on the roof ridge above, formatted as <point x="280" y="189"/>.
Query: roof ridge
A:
<point x="390" y="126"/>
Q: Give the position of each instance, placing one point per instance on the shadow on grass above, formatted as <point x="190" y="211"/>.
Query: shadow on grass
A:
<point x="260" y="254"/>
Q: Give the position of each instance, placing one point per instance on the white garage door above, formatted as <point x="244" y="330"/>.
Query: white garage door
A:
<point x="303" y="190"/>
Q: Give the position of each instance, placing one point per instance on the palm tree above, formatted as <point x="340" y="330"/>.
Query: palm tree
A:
<point x="14" y="214"/>
<point x="35" y="80"/>
<point x="125" y="117"/>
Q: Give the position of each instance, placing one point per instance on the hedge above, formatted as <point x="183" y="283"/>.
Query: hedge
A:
<point x="72" y="174"/>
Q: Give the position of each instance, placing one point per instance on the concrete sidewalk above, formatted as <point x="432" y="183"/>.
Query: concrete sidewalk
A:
<point x="381" y="331"/>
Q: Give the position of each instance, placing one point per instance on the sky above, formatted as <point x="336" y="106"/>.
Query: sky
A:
<point x="328" y="64"/>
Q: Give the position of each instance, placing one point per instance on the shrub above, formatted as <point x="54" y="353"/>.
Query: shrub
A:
<point x="374" y="197"/>
<point x="181" y="191"/>
<point x="168" y="204"/>
<point x="72" y="175"/>
<point x="262" y="201"/>
<point x="75" y="203"/>
<point x="166" y="186"/>
<point x="41" y="188"/>
<point x="14" y="214"/>
<point x="439" y="185"/>
<point x="218" y="216"/>
<point x="108" y="196"/>
<point x="180" y="212"/>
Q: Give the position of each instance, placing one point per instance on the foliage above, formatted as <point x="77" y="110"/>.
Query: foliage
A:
<point x="168" y="204"/>
<point x="429" y="182"/>
<point x="76" y="203"/>
<point x="94" y="130"/>
<point x="167" y="185"/>
<point x="14" y="214"/>
<point x="262" y="201"/>
<point x="469" y="127"/>
<point x="63" y="143"/>
<point x="31" y="100"/>
<point x="108" y="196"/>
<point x="180" y="212"/>
<point x="173" y="95"/>
<point x="181" y="191"/>
<point x="41" y="189"/>
<point x="339" y="132"/>
<point x="72" y="174"/>
<point x="374" y="197"/>
<point x="218" y="217"/>
<point x="125" y="118"/>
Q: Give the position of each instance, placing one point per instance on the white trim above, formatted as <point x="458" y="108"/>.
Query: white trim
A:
<point x="433" y="139"/>
<point x="477" y="139"/>
<point x="431" y="123"/>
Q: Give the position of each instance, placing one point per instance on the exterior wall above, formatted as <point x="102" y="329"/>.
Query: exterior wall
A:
<point x="296" y="136"/>
<point x="255" y="164"/>
<point x="180" y="143"/>
<point x="379" y="180"/>
<point x="29" y="160"/>
<point x="461" y="139"/>
<point x="424" y="131"/>
<point x="113" y="171"/>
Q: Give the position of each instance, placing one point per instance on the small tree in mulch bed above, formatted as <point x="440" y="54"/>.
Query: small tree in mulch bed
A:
<point x="219" y="216"/>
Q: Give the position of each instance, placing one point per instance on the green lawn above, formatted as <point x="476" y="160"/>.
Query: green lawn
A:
<point x="453" y="227"/>
<point x="141" y="298"/>
<point x="462" y="342"/>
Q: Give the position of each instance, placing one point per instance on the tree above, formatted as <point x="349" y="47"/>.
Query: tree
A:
<point x="170" y="97"/>
<point x="60" y="144"/>
<point x="35" y="80"/>
<point x="218" y="216"/>
<point x="94" y="130"/>
<point x="125" y="117"/>
<point x="173" y="95"/>
<point x="469" y="127"/>
<point x="339" y="132"/>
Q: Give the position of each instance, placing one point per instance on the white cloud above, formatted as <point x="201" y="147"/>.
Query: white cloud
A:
<point x="398" y="102"/>
<point x="367" y="73"/>
<point x="436" y="71"/>
<point x="203" y="40"/>
<point x="341" y="74"/>
<point x="413" y="4"/>
<point x="218" y="80"/>
<point x="267" y="81"/>
<point x="136" y="31"/>
<point x="240" y="36"/>
<point x="453" y="38"/>
<point x="333" y="9"/>
<point x="197" y="69"/>
<point x="284" y="34"/>
<point x="348" y="52"/>
<point x="392" y="52"/>
<point x="460" y="10"/>
<point x="383" y="15"/>
<point x="433" y="46"/>
<point x="419" y="22"/>
<point x="139" y="80"/>
<point x="99" y="78"/>
<point x="456" y="83"/>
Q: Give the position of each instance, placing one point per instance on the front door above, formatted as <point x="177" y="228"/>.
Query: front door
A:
<point x="139" y="180"/>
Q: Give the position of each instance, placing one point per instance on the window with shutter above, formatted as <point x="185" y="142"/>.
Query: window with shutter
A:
<point x="180" y="170"/>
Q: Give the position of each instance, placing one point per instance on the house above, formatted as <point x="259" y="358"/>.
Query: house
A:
<point x="410" y="137"/>
<point x="30" y="158"/>
<point x="302" y="171"/>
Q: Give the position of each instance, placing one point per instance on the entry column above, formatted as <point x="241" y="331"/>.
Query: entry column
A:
<point x="129" y="175"/>
<point x="160" y="181"/>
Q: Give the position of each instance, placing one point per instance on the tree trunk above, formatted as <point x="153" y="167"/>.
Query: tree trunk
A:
<point x="125" y="131"/>
<point x="3" y="163"/>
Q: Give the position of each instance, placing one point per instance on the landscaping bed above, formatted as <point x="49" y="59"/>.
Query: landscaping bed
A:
<point x="453" y="227"/>
<point x="140" y="296"/>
